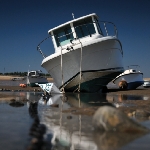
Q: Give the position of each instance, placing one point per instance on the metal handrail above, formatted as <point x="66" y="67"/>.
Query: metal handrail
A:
<point x="39" y="49"/>
<point x="115" y="28"/>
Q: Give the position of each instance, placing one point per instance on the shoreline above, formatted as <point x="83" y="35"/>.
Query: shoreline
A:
<point x="9" y="78"/>
<point x="139" y="91"/>
<point x="111" y="90"/>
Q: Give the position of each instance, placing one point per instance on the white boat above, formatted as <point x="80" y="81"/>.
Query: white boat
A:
<point x="85" y="59"/>
<point x="18" y="79"/>
<point x="132" y="77"/>
<point x="34" y="77"/>
<point x="146" y="84"/>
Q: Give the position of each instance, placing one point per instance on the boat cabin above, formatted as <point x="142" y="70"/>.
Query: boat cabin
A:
<point x="84" y="28"/>
<point x="130" y="71"/>
<point x="34" y="73"/>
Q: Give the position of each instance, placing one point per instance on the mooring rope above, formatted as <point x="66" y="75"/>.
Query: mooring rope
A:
<point x="62" y="78"/>
<point x="80" y="68"/>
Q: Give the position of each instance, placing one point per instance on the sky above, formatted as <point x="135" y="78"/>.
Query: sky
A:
<point x="25" y="23"/>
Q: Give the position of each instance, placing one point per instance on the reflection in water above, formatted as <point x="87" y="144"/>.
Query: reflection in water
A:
<point x="66" y="130"/>
<point x="69" y="131"/>
<point x="76" y="131"/>
<point x="16" y="104"/>
<point x="119" y="100"/>
<point x="37" y="130"/>
<point x="123" y="97"/>
<point x="52" y="99"/>
<point x="113" y="140"/>
<point x="33" y="109"/>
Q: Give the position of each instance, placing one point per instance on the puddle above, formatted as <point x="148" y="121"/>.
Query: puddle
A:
<point x="123" y="97"/>
<point x="63" y="130"/>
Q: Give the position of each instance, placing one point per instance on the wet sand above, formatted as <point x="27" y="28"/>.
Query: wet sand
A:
<point x="129" y="107"/>
<point x="18" y="88"/>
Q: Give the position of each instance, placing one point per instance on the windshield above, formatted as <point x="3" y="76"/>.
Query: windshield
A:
<point x="84" y="27"/>
<point x="63" y="35"/>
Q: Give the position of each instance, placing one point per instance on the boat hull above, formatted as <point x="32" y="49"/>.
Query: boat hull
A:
<point x="101" y="63"/>
<point x="133" y="80"/>
<point x="31" y="81"/>
<point x="146" y="84"/>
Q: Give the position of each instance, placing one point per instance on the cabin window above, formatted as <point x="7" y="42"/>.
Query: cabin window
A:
<point x="84" y="27"/>
<point x="98" y="26"/>
<point x="133" y="70"/>
<point x="31" y="73"/>
<point x="63" y="35"/>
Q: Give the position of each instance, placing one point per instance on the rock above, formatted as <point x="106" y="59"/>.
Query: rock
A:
<point x="13" y="100"/>
<point x="108" y="118"/>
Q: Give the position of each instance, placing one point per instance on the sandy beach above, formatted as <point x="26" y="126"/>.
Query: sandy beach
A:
<point x="11" y="77"/>
<point x="6" y="77"/>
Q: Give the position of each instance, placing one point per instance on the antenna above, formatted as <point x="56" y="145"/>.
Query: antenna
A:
<point x="73" y="15"/>
<point x="29" y="68"/>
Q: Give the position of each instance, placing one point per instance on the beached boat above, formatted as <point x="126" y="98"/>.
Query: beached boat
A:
<point x="18" y="79"/>
<point x="130" y="78"/>
<point x="146" y="84"/>
<point x="85" y="59"/>
<point x="34" y="77"/>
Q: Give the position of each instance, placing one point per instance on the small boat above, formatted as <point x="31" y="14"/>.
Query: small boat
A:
<point x="34" y="77"/>
<point x="86" y="59"/>
<point x="18" y="79"/>
<point x="146" y="84"/>
<point x="130" y="78"/>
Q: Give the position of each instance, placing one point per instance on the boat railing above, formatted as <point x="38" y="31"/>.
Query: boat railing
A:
<point x="108" y="28"/>
<point x="39" y="49"/>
